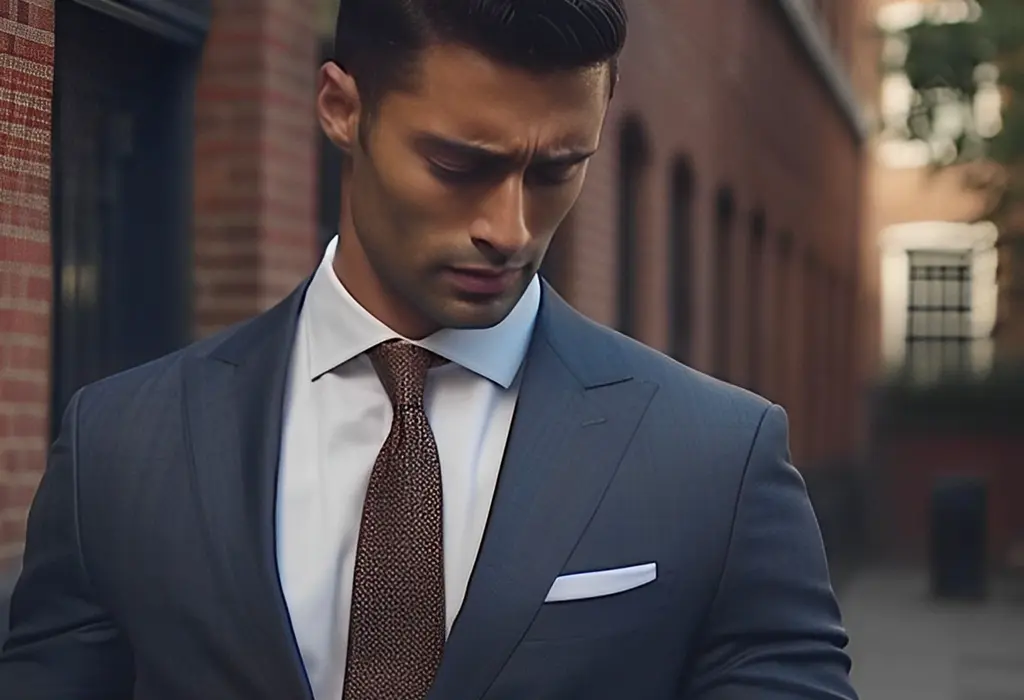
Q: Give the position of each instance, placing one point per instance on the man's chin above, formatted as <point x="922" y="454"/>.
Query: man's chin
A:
<point x="474" y="311"/>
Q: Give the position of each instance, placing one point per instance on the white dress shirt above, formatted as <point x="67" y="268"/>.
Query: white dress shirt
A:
<point x="336" y="419"/>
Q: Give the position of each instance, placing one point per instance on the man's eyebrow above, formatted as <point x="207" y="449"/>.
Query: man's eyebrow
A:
<point x="461" y="149"/>
<point x="566" y="157"/>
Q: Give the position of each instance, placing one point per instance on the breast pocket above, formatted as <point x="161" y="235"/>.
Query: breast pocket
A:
<point x="598" y="603"/>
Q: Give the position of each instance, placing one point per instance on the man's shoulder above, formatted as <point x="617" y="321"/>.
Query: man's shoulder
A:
<point x="159" y="379"/>
<point x="676" y="381"/>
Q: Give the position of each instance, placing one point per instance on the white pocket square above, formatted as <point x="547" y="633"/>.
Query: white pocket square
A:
<point x="595" y="584"/>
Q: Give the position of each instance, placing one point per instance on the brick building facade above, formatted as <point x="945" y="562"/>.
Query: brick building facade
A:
<point x="946" y="405"/>
<point x="26" y="78"/>
<point x="720" y="222"/>
<point x="746" y="258"/>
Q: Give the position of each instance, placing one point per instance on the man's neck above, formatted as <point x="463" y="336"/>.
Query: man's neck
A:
<point x="358" y="277"/>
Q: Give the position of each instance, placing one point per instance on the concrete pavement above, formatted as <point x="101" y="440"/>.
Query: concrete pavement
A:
<point x="906" y="646"/>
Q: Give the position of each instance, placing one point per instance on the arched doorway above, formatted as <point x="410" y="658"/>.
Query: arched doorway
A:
<point x="633" y="158"/>
<point x="680" y="259"/>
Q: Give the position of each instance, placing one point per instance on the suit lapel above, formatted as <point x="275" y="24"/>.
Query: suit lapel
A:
<point x="234" y="400"/>
<point x="576" y="414"/>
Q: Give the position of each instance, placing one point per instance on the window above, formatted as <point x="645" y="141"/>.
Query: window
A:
<point x="938" y="314"/>
<point x="681" y="261"/>
<point x="632" y="161"/>
<point x="724" y="214"/>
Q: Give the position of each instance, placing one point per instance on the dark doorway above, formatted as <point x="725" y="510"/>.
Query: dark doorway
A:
<point x="633" y="157"/>
<point x="122" y="195"/>
<point x="756" y="294"/>
<point x="681" y="260"/>
<point x="725" y="212"/>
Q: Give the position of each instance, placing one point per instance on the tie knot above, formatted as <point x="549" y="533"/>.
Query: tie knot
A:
<point x="402" y="368"/>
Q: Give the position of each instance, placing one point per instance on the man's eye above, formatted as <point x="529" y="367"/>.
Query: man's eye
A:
<point x="453" y="174"/>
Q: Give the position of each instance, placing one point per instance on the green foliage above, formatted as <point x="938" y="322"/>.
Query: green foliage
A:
<point x="945" y="64"/>
<point x="946" y="56"/>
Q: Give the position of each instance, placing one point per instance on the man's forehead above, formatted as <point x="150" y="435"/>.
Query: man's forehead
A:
<point x="562" y="150"/>
<point x="462" y="97"/>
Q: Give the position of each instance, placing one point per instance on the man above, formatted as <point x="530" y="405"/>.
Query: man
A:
<point x="261" y="516"/>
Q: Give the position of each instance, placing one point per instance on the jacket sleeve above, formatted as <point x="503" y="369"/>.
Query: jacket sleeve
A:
<point x="774" y="631"/>
<point x="62" y="644"/>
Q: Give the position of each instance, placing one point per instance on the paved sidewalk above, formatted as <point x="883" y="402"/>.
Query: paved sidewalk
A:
<point x="906" y="646"/>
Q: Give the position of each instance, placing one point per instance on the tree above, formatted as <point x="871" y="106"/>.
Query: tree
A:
<point x="961" y="49"/>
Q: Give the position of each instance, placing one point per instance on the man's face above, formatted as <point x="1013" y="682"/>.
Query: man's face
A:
<point x="459" y="185"/>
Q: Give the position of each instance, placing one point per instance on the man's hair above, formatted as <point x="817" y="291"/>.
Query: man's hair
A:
<point x="378" y="42"/>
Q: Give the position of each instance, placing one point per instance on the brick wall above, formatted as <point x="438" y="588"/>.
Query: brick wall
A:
<point x="26" y="79"/>
<point x="913" y="462"/>
<point x="255" y="208"/>
<point x="727" y="86"/>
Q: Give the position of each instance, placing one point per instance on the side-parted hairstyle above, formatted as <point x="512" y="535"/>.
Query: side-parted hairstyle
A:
<point x="379" y="41"/>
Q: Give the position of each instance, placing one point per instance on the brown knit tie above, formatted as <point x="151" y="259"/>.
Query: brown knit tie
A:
<point x="397" y="623"/>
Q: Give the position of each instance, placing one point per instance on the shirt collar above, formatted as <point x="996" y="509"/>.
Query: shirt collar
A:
<point x="339" y="329"/>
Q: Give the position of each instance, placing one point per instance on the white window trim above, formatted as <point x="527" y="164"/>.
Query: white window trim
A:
<point x="896" y="242"/>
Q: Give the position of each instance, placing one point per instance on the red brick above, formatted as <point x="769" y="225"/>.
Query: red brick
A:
<point x="16" y="464"/>
<point x="33" y="51"/>
<point x="37" y="152"/>
<point x="32" y="80"/>
<point x="25" y="424"/>
<point x="13" y="520"/>
<point x="25" y="181"/>
<point x="27" y="251"/>
<point x="40" y="17"/>
<point x="39" y="288"/>
<point x="243" y="181"/>
<point x="25" y="93"/>
<point x="33" y="218"/>
<point x="22" y="391"/>
<point x="26" y="357"/>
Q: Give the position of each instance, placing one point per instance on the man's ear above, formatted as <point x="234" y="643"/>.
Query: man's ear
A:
<point x="338" y="106"/>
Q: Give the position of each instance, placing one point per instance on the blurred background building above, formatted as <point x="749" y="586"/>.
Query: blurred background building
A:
<point x="949" y="403"/>
<point x="177" y="183"/>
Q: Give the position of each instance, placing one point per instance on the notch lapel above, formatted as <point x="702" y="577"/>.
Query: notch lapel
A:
<point x="576" y="415"/>
<point x="234" y="400"/>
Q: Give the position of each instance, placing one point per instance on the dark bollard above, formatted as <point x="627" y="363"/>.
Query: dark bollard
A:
<point x="959" y="562"/>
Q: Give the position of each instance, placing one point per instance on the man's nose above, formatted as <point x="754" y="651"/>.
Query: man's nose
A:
<point x="502" y="232"/>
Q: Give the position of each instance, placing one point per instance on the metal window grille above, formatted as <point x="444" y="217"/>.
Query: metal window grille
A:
<point x="939" y="335"/>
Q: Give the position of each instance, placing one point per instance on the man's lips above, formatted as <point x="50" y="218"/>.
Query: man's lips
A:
<point x="483" y="281"/>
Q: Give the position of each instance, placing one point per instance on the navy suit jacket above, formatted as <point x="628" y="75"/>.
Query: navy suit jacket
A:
<point x="150" y="571"/>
